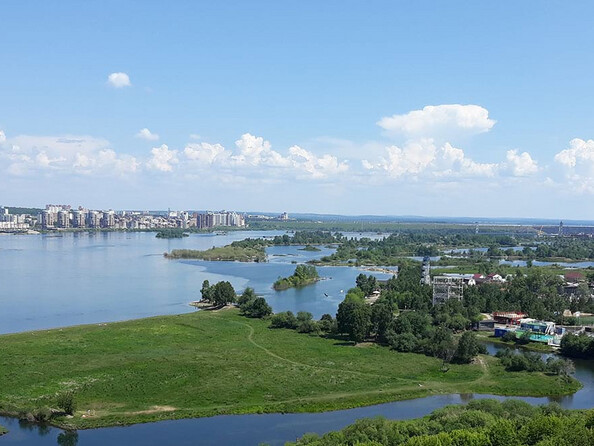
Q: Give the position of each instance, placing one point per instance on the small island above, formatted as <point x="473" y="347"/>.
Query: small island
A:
<point x="235" y="252"/>
<point x="171" y="233"/>
<point x="3" y="430"/>
<point x="310" y="248"/>
<point x="303" y="275"/>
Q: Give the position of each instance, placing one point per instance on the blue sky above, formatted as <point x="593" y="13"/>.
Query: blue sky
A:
<point x="351" y="107"/>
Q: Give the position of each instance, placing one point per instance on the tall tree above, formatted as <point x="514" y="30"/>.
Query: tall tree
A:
<point x="354" y="319"/>
<point x="206" y="291"/>
<point x="382" y="316"/>
<point x="223" y="293"/>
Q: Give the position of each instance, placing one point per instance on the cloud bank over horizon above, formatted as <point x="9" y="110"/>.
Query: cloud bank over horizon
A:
<point x="421" y="150"/>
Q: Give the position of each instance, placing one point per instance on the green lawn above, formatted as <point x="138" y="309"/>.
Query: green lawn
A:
<point x="209" y="363"/>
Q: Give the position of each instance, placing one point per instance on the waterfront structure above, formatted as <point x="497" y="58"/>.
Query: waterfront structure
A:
<point x="447" y="288"/>
<point x="508" y="317"/>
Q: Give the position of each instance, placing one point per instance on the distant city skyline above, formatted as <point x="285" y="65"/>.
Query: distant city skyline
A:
<point x="351" y="108"/>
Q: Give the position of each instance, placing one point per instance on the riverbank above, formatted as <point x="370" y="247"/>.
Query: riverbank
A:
<point x="205" y="363"/>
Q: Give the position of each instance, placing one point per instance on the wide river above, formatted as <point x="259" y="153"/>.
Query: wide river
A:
<point x="50" y="281"/>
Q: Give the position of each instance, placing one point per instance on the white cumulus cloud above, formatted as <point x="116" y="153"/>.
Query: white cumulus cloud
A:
<point x="162" y="159"/>
<point x="119" y="80"/>
<point x="316" y="166"/>
<point x="577" y="162"/>
<point x="579" y="153"/>
<point x="2" y="137"/>
<point x="255" y="151"/>
<point x="520" y="164"/>
<point x="254" y="155"/>
<point x="437" y="120"/>
<point x="147" y="135"/>
<point x="26" y="154"/>
<point x="424" y="158"/>
<point x="204" y="152"/>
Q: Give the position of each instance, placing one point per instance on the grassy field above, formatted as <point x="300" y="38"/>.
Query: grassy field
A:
<point x="209" y="363"/>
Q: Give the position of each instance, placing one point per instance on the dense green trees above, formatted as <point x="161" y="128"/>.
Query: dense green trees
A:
<point x="251" y="305"/>
<point x="285" y="319"/>
<point x="468" y="347"/>
<point x="577" y="346"/>
<point x="367" y="284"/>
<point x="171" y="233"/>
<point x="538" y="293"/>
<point x="303" y="275"/>
<point x="354" y="319"/>
<point x="206" y="291"/>
<point x="303" y="322"/>
<point x="307" y="238"/>
<point x="382" y="318"/>
<point x="479" y="423"/>
<point x="533" y="362"/>
<point x="222" y="293"/>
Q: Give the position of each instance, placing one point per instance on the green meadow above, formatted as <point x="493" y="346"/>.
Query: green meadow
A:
<point x="209" y="363"/>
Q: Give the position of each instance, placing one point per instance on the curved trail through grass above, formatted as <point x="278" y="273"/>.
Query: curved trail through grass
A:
<point x="212" y="363"/>
<point x="250" y="338"/>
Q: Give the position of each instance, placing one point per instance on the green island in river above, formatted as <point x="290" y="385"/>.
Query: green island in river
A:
<point x="219" y="362"/>
<point x="234" y="252"/>
<point x="303" y="275"/>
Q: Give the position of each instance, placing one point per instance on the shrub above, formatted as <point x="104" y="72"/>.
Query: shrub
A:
<point x="65" y="401"/>
<point x="285" y="319"/>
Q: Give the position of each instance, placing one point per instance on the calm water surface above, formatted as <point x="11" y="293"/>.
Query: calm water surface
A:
<point x="51" y="281"/>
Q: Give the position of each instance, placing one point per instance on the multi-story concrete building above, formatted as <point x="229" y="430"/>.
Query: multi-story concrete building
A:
<point x="63" y="220"/>
<point x="48" y="219"/>
<point x="216" y="219"/>
<point x="108" y="219"/>
<point x="79" y="218"/>
<point x="94" y="219"/>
